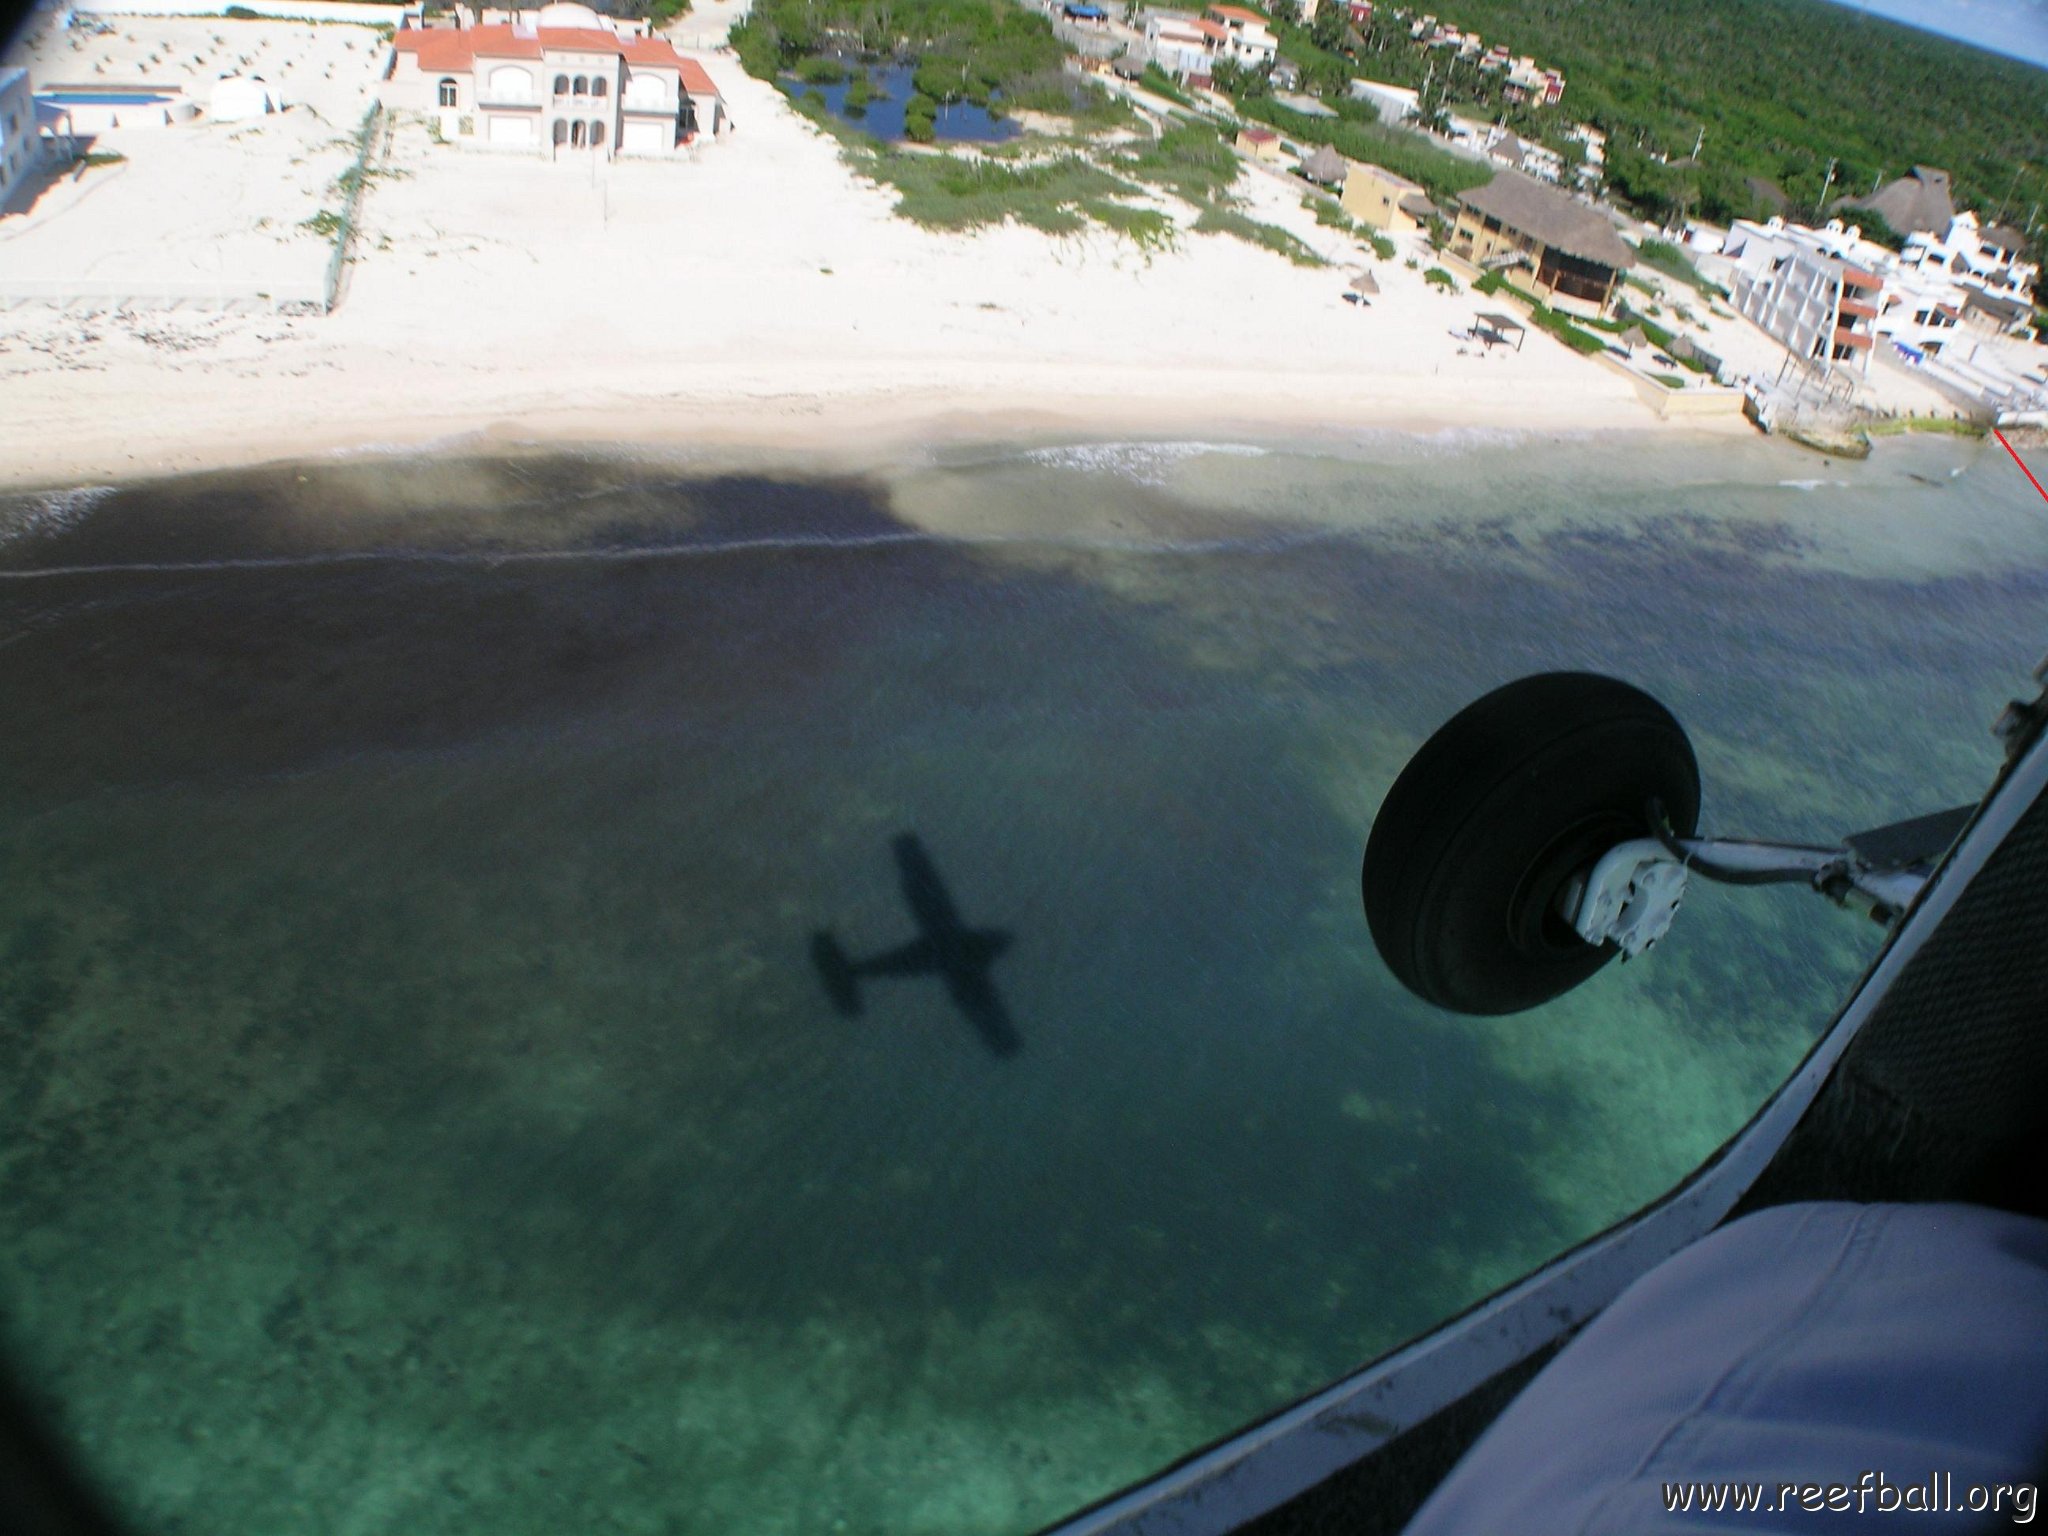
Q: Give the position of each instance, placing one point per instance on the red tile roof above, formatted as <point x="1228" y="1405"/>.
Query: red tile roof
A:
<point x="1856" y="277"/>
<point x="1846" y="337"/>
<point x="579" y="40"/>
<point x="696" y="78"/>
<point x="441" y="49"/>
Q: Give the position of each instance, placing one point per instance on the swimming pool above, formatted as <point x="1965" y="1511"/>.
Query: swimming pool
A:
<point x="101" y="98"/>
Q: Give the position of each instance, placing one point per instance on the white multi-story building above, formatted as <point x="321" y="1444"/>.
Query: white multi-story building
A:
<point x="1802" y="287"/>
<point x="21" y="146"/>
<point x="1530" y="81"/>
<point x="1180" y="43"/>
<point x="1516" y="154"/>
<point x="1990" y="259"/>
<point x="1923" y="304"/>
<point x="1248" y="42"/>
<point x="1595" y="164"/>
<point x="1186" y="45"/>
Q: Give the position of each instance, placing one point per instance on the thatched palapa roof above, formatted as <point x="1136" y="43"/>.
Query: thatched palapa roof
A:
<point x="1524" y="204"/>
<point x="1418" y="206"/>
<point x="1325" y="166"/>
<point x="1918" y="200"/>
<point x="2004" y="238"/>
<point x="1767" y="194"/>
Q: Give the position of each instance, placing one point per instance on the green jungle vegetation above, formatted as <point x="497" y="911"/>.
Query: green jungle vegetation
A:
<point x="964" y="50"/>
<point x="1781" y="88"/>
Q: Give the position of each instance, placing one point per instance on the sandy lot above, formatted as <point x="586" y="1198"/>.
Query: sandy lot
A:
<point x="214" y="211"/>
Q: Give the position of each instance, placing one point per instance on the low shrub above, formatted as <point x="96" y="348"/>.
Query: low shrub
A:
<point x="1223" y="221"/>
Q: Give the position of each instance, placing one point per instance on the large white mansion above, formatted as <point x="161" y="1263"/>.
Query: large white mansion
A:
<point x="559" y="78"/>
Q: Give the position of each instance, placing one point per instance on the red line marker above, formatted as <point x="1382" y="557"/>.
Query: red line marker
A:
<point x="2016" y="459"/>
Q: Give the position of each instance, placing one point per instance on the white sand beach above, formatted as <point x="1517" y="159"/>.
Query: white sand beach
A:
<point x="754" y="293"/>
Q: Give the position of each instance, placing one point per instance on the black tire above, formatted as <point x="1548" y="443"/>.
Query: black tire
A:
<point x="1513" y="795"/>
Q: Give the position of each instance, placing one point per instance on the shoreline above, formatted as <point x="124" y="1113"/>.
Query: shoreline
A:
<point x="840" y="431"/>
<point x="519" y="301"/>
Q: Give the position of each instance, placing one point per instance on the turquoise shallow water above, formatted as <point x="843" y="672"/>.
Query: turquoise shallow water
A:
<point x="421" y="1109"/>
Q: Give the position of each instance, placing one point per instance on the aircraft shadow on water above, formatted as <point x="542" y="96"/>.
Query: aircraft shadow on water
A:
<point x="945" y="947"/>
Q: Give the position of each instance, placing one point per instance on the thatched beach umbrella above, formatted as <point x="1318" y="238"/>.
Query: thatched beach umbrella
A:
<point x="1366" y="284"/>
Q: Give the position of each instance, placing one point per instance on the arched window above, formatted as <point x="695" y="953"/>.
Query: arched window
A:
<point x="561" y="85"/>
<point x="597" y="87"/>
<point x="582" y="85"/>
<point x="576" y="135"/>
<point x="447" y="93"/>
<point x="597" y="135"/>
<point x="561" y="131"/>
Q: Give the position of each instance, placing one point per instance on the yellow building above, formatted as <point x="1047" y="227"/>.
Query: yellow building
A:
<point x="1260" y="144"/>
<point x="1564" y="251"/>
<point x="1391" y="204"/>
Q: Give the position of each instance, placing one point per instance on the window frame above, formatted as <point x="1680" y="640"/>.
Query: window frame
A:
<point x="1256" y="1469"/>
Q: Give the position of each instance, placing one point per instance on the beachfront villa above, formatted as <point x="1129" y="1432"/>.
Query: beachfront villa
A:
<point x="1571" y="255"/>
<point x="557" y="79"/>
